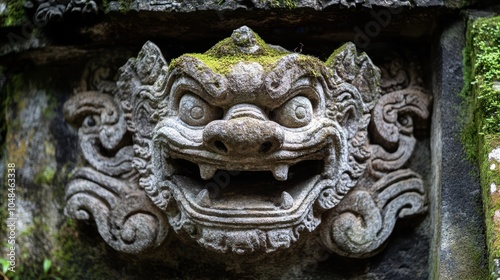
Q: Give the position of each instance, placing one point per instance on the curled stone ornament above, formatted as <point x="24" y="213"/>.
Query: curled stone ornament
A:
<point x="244" y="148"/>
<point x="362" y="222"/>
<point x="54" y="10"/>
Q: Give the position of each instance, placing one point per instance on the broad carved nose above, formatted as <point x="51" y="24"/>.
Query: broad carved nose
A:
<point x="243" y="132"/>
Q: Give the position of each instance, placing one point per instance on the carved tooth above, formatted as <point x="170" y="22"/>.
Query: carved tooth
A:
<point x="281" y="172"/>
<point x="207" y="171"/>
<point x="286" y="201"/>
<point x="203" y="198"/>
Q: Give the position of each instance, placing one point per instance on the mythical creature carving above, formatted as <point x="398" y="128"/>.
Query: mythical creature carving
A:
<point x="246" y="147"/>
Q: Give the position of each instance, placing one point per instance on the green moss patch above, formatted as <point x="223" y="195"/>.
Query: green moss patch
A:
<point x="46" y="176"/>
<point x="224" y="55"/>
<point x="482" y="82"/>
<point x="14" y="14"/>
<point x="481" y="133"/>
<point x="290" y="4"/>
<point x="490" y="182"/>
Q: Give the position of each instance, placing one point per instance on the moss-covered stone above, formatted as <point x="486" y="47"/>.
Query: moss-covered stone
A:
<point x="122" y="6"/>
<point x="490" y="181"/>
<point x="32" y="107"/>
<point x="46" y="176"/>
<point x="481" y="133"/>
<point x="290" y="4"/>
<point x="78" y="256"/>
<point x="482" y="73"/>
<point x="227" y="53"/>
<point x="14" y="14"/>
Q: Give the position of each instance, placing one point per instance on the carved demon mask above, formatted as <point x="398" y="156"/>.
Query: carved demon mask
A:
<point x="245" y="147"/>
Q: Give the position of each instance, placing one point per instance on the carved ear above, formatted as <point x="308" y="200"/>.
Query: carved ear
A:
<point x="142" y="90"/>
<point x="101" y="128"/>
<point x="150" y="65"/>
<point x="147" y="73"/>
<point x="357" y="80"/>
<point x="348" y="104"/>
<point x="142" y="86"/>
<point x="357" y="70"/>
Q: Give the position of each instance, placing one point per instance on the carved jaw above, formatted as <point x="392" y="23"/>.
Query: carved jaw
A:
<point x="243" y="166"/>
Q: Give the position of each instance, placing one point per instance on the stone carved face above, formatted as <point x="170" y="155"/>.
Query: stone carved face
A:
<point x="246" y="146"/>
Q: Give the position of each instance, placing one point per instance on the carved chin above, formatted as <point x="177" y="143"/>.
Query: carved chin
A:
<point x="246" y="212"/>
<point x="247" y="204"/>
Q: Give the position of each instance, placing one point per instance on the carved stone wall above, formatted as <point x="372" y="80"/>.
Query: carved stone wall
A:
<point x="150" y="146"/>
<point x="247" y="148"/>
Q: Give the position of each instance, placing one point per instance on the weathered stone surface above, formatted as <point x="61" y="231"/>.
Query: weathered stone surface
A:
<point x="55" y="10"/>
<point x="199" y="137"/>
<point x="481" y="131"/>
<point x="38" y="24"/>
<point x="459" y="236"/>
<point x="52" y="72"/>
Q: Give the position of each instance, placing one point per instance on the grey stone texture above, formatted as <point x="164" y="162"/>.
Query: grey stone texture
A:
<point x="74" y="58"/>
<point x="183" y="153"/>
<point x="459" y="238"/>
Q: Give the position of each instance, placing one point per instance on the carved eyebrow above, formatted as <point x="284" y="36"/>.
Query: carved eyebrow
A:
<point x="183" y="84"/>
<point x="280" y="83"/>
<point x="307" y="88"/>
<point x="214" y="85"/>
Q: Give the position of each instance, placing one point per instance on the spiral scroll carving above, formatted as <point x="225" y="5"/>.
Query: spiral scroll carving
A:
<point x="360" y="225"/>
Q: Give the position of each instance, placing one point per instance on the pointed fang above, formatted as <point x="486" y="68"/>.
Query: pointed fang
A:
<point x="207" y="171"/>
<point x="203" y="198"/>
<point x="286" y="201"/>
<point x="281" y="172"/>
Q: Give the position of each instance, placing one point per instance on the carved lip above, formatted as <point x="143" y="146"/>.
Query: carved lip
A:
<point x="248" y="210"/>
<point x="249" y="198"/>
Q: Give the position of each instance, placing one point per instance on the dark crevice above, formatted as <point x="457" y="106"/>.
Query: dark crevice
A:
<point x="252" y="181"/>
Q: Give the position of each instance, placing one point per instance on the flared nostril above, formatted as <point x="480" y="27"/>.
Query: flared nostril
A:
<point x="243" y="136"/>
<point x="220" y="146"/>
<point x="265" y="147"/>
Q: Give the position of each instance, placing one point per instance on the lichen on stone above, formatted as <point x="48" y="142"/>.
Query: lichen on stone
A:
<point x="240" y="47"/>
<point x="482" y="98"/>
<point x="13" y="14"/>
<point x="481" y="132"/>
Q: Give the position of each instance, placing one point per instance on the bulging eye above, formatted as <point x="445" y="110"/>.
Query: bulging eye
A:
<point x="296" y="112"/>
<point x="195" y="111"/>
<point x="91" y="123"/>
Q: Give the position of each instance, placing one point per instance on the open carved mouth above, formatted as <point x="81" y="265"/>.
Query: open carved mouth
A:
<point x="248" y="197"/>
<point x="247" y="170"/>
<point x="248" y="190"/>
